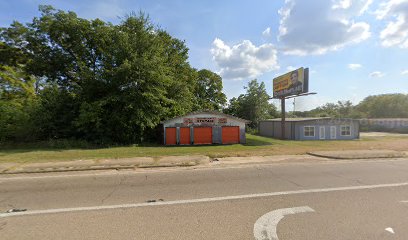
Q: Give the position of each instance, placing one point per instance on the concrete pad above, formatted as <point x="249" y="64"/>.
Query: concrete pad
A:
<point x="359" y="154"/>
<point x="382" y="134"/>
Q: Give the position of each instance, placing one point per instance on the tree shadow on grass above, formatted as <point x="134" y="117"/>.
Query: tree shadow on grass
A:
<point x="258" y="142"/>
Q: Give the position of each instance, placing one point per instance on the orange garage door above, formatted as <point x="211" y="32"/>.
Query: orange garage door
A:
<point x="171" y="136"/>
<point x="184" y="135"/>
<point x="202" y="135"/>
<point x="230" y="135"/>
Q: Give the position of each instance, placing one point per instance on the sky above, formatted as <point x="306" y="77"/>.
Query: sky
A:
<point x="353" y="48"/>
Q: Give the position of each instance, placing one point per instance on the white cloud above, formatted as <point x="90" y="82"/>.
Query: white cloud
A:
<point x="290" y="68"/>
<point x="267" y="32"/>
<point x="405" y="72"/>
<point x="315" y="27"/>
<point x="244" y="60"/>
<point x="354" y="66"/>
<point x="376" y="74"/>
<point x="309" y="102"/>
<point x="396" y="31"/>
<point x="344" y="4"/>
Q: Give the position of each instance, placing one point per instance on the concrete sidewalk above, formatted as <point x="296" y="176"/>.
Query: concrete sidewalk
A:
<point x="189" y="161"/>
<point x="104" y="164"/>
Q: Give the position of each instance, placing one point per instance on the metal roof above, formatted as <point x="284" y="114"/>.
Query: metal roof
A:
<point x="210" y="112"/>
<point x="304" y="119"/>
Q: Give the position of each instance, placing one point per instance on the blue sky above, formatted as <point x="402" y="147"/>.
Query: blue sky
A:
<point x="353" y="48"/>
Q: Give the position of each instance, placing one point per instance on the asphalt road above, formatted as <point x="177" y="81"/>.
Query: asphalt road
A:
<point x="336" y="200"/>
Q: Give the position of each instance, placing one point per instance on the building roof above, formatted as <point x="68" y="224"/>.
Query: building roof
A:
<point x="303" y="119"/>
<point x="209" y="112"/>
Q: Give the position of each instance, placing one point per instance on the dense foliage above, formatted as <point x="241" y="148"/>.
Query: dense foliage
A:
<point x="253" y="105"/>
<point x="377" y="106"/>
<point x="64" y="77"/>
<point x="67" y="77"/>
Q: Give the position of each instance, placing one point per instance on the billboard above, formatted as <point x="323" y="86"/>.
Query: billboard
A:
<point x="291" y="83"/>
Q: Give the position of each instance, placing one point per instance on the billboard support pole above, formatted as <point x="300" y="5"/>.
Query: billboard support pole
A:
<point x="283" y="113"/>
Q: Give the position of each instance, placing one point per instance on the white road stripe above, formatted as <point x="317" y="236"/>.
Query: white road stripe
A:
<point x="265" y="226"/>
<point x="202" y="200"/>
<point x="390" y="230"/>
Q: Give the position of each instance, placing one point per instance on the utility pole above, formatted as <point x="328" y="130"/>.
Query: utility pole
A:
<point x="283" y="113"/>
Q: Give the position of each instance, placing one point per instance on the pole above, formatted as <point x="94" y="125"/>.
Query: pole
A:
<point x="283" y="118"/>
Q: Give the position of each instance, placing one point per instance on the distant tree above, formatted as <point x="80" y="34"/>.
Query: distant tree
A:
<point x="208" y="91"/>
<point x="341" y="109"/>
<point x="384" y="106"/>
<point x="253" y="105"/>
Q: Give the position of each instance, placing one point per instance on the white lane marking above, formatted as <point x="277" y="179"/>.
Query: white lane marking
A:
<point x="203" y="200"/>
<point x="390" y="230"/>
<point x="265" y="227"/>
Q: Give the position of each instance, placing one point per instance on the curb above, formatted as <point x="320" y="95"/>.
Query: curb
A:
<point x="400" y="155"/>
<point x="72" y="168"/>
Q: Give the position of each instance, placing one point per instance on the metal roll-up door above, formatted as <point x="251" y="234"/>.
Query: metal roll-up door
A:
<point x="185" y="136"/>
<point x="171" y="136"/>
<point x="230" y="134"/>
<point x="202" y="135"/>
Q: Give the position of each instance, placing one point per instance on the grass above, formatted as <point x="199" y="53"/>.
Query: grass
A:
<point x="255" y="146"/>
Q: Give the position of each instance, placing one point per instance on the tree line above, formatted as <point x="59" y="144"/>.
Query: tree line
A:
<point x="67" y="77"/>
<point x="376" y="106"/>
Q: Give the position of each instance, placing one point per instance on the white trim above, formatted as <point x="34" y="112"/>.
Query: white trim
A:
<point x="346" y="135"/>
<point x="314" y="131"/>
<point x="333" y="136"/>
<point x="324" y="132"/>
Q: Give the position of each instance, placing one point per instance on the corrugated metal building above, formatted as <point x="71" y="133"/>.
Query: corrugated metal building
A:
<point x="311" y="128"/>
<point x="204" y="127"/>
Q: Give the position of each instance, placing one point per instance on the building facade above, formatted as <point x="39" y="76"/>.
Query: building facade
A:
<point x="204" y="127"/>
<point x="311" y="128"/>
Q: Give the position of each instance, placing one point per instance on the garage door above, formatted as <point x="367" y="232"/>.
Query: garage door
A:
<point x="171" y="136"/>
<point x="185" y="136"/>
<point x="202" y="135"/>
<point x="230" y="135"/>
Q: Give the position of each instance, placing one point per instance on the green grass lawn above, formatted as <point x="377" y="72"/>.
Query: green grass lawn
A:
<point x="255" y="146"/>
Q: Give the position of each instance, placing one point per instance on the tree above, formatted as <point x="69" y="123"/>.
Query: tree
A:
<point x="102" y="82"/>
<point x="17" y="92"/>
<point x="384" y="106"/>
<point x="208" y="91"/>
<point x="253" y="105"/>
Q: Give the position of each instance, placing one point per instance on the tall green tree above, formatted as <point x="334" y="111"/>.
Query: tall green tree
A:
<point x="17" y="91"/>
<point x="208" y="91"/>
<point x="253" y="105"/>
<point x="103" y="82"/>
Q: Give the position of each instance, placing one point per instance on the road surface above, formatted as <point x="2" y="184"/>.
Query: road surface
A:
<point x="333" y="200"/>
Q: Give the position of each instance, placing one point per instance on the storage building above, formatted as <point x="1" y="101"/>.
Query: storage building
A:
<point x="205" y="127"/>
<point x="311" y="128"/>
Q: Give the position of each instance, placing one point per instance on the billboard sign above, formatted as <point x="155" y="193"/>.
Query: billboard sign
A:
<point x="291" y="83"/>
